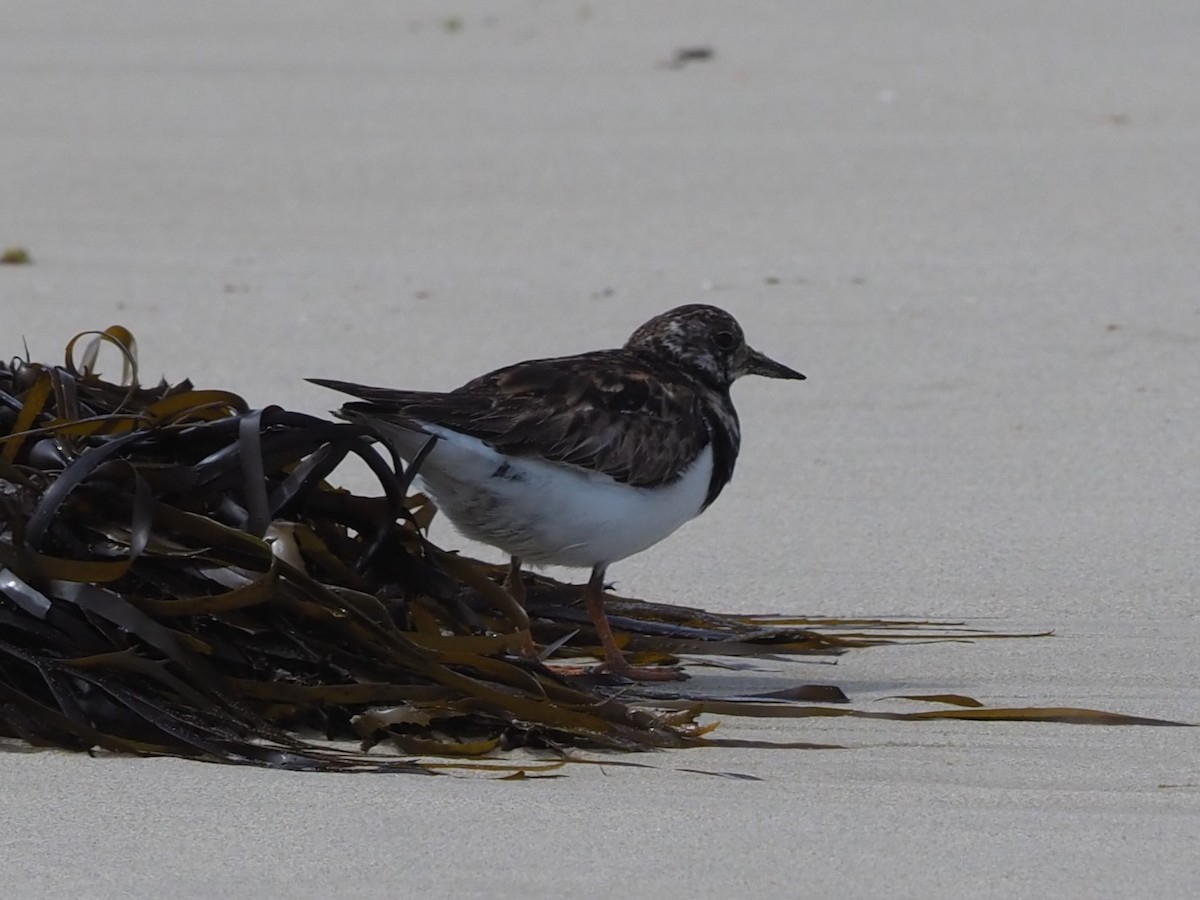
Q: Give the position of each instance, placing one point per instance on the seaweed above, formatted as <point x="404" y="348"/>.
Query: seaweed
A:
<point x="179" y="576"/>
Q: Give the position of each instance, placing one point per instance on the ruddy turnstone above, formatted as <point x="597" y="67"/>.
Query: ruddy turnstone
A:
<point x="582" y="460"/>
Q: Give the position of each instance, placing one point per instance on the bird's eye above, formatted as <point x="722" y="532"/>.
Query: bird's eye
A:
<point x="724" y="340"/>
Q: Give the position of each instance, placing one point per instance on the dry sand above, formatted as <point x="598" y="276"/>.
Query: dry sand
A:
<point x="975" y="227"/>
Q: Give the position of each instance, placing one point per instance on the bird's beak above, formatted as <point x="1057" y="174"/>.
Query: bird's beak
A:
<point x="760" y="364"/>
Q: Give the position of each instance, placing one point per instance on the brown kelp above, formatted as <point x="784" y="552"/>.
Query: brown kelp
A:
<point x="178" y="576"/>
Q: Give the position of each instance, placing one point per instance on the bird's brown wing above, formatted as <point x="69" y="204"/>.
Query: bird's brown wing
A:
<point x="602" y="411"/>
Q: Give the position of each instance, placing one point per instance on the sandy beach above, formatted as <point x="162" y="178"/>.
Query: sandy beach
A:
<point x="973" y="226"/>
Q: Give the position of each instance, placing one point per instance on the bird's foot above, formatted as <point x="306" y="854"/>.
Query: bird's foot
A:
<point x="529" y="649"/>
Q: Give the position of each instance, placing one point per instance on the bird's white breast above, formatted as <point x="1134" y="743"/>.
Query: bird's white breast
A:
<point x="551" y="513"/>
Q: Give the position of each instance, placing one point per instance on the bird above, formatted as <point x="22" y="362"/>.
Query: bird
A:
<point x="581" y="461"/>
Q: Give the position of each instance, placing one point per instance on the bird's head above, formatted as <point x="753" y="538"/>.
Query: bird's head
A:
<point x="707" y="342"/>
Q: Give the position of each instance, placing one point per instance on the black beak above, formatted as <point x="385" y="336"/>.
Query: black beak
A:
<point x="759" y="364"/>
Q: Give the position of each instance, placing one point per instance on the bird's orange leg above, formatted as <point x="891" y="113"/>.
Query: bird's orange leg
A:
<point x="515" y="587"/>
<point x="614" y="659"/>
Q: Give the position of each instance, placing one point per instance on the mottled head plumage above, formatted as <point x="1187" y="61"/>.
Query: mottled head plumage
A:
<point x="706" y="342"/>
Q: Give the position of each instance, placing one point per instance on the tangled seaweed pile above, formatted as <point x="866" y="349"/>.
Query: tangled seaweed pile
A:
<point x="178" y="577"/>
